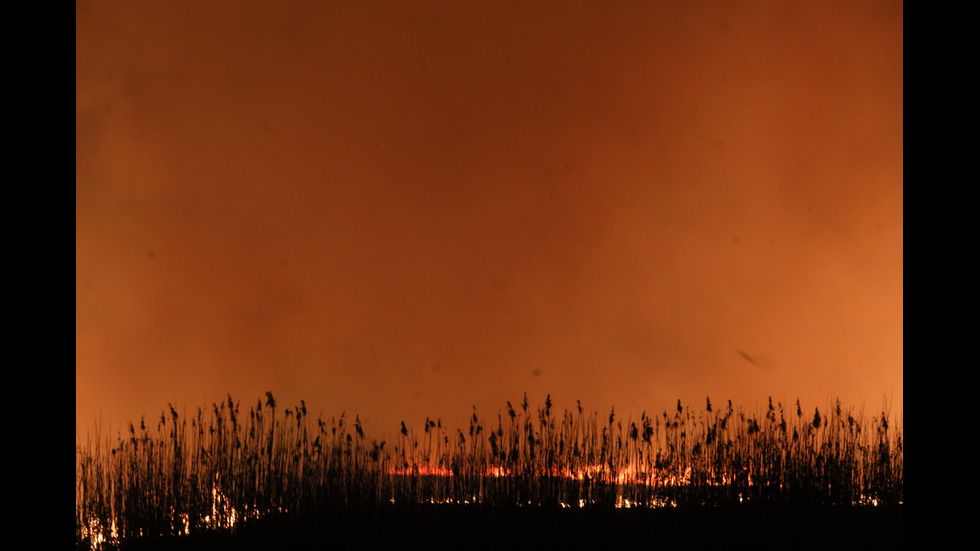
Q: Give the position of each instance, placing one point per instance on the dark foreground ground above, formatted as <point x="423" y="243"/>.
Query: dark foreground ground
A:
<point x="473" y="527"/>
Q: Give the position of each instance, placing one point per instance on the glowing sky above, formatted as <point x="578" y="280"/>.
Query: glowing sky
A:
<point x="402" y="209"/>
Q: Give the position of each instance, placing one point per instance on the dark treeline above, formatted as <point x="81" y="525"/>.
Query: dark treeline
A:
<point x="224" y="469"/>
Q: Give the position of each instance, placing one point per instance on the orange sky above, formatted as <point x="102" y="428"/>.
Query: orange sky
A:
<point x="402" y="209"/>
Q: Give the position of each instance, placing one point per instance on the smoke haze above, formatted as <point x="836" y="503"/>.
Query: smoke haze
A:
<point x="405" y="209"/>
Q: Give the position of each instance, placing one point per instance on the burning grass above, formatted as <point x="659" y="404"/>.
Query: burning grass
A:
<point x="220" y="470"/>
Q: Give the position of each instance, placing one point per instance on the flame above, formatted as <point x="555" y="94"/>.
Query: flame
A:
<point x="420" y="470"/>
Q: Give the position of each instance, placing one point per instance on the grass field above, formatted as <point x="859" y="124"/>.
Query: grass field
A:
<point x="230" y="478"/>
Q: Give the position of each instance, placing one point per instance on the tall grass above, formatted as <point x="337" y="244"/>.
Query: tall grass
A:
<point x="220" y="468"/>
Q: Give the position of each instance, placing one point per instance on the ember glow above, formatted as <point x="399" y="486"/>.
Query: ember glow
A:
<point x="596" y="472"/>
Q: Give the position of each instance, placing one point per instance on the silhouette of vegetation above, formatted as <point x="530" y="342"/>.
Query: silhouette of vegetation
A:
<point x="222" y="470"/>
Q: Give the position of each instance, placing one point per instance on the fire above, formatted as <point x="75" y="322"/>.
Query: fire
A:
<point x="420" y="470"/>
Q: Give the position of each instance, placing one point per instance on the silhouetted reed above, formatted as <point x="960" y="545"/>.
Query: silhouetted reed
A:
<point x="227" y="469"/>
